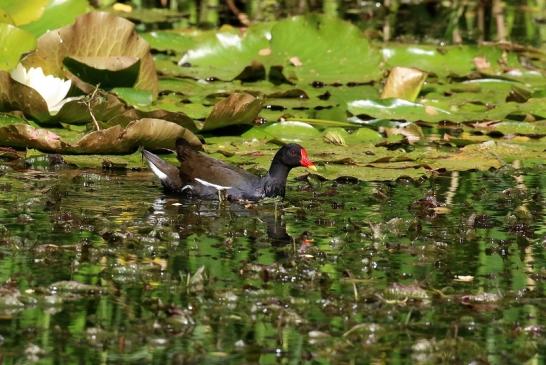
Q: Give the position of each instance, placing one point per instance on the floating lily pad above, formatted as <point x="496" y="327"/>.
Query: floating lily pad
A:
<point x="445" y="61"/>
<point x="521" y="128"/>
<point x="92" y="36"/>
<point x="404" y="83"/>
<point x="26" y="136"/>
<point x="323" y="49"/>
<point x="169" y="40"/>
<point x="109" y="110"/>
<point x="225" y="54"/>
<point x="148" y="133"/>
<point x="291" y="131"/>
<point x="133" y="96"/>
<point x="238" y="108"/>
<point x="397" y="109"/>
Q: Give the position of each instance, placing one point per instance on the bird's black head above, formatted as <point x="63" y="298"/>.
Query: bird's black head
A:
<point x="294" y="155"/>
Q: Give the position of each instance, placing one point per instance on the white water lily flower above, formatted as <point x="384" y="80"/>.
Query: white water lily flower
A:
<point x="52" y="89"/>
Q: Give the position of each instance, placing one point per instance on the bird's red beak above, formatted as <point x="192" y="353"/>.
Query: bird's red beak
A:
<point x="305" y="161"/>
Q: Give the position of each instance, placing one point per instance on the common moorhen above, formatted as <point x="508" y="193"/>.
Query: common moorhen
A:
<point x="201" y="176"/>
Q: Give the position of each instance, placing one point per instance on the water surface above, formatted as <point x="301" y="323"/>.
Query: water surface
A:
<point x="447" y="269"/>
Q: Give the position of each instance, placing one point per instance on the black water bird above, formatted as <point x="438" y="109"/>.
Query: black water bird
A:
<point x="204" y="177"/>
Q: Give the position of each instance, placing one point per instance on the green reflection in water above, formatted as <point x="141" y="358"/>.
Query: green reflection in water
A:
<point x="337" y="273"/>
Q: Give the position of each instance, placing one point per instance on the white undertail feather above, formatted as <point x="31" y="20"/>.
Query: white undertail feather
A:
<point x="157" y="172"/>
<point x="217" y="187"/>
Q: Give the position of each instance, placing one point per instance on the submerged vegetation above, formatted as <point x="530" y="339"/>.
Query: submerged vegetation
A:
<point x="420" y="238"/>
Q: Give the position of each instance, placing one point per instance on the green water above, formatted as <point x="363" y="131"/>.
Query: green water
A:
<point x="379" y="277"/>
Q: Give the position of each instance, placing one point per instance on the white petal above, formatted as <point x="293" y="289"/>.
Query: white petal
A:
<point x="52" y="89"/>
<point x="19" y="74"/>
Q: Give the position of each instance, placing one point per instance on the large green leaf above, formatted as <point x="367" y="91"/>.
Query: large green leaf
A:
<point x="397" y="109"/>
<point x="226" y="53"/>
<point x="168" y="40"/>
<point x="93" y="36"/>
<point x="445" y="61"/>
<point x="323" y="49"/>
<point x="13" y="43"/>
<point x="23" y="12"/>
<point x="57" y="13"/>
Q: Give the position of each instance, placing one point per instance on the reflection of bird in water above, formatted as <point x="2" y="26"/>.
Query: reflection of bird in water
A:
<point x="218" y="218"/>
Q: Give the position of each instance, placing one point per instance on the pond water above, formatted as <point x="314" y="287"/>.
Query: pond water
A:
<point x="102" y="267"/>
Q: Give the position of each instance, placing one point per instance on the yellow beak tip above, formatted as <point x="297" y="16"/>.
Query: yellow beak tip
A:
<point x="312" y="167"/>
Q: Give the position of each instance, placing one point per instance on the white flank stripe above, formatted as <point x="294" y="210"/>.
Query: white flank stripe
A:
<point x="217" y="187"/>
<point x="157" y="172"/>
<point x="186" y="187"/>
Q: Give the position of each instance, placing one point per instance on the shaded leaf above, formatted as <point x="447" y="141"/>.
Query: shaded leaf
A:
<point x="108" y="72"/>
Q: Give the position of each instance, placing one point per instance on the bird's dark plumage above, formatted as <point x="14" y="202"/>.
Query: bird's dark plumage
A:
<point x="205" y="177"/>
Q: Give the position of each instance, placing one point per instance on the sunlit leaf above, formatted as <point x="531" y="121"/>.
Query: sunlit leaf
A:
<point x="225" y="54"/>
<point x="447" y="60"/>
<point x="291" y="131"/>
<point x="404" y="83"/>
<point x="167" y="40"/>
<point x="14" y="42"/>
<point x="23" y="12"/>
<point x="238" y="108"/>
<point x="56" y="14"/>
<point x="397" y="109"/>
<point x="133" y="96"/>
<point x="329" y="50"/>
<point x="148" y="133"/>
<point x="25" y="136"/>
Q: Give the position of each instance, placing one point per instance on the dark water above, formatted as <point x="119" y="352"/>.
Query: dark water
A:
<point x="444" y="270"/>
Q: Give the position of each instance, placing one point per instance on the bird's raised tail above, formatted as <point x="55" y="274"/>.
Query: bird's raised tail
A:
<point x="168" y="174"/>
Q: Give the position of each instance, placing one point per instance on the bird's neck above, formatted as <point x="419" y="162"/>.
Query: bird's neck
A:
<point x="275" y="180"/>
